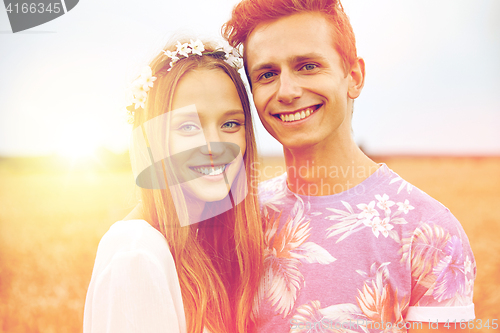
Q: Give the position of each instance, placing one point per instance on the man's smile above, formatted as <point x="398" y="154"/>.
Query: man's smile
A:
<point x="298" y="114"/>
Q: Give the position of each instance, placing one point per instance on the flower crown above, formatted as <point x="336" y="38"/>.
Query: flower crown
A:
<point x="138" y="93"/>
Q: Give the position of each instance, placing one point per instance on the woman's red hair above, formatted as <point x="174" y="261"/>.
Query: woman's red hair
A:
<point x="219" y="260"/>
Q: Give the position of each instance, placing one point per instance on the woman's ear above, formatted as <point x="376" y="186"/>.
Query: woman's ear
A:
<point x="356" y="78"/>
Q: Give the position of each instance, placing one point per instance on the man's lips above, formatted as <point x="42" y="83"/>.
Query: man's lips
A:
<point x="298" y="114"/>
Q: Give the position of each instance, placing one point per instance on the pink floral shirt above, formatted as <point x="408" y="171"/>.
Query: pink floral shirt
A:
<point x="374" y="258"/>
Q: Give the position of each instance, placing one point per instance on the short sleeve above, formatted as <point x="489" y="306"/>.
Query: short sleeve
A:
<point x="134" y="288"/>
<point x="443" y="271"/>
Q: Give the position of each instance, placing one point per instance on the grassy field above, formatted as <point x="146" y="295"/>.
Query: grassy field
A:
<point x="51" y="223"/>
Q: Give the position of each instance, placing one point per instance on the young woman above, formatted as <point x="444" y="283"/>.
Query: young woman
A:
<point x="188" y="259"/>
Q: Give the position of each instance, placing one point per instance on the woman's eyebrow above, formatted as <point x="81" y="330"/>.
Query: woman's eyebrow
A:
<point x="185" y="115"/>
<point x="234" y="112"/>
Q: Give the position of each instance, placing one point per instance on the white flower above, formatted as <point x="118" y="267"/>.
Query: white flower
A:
<point x="368" y="211"/>
<point x="138" y="86"/>
<point x="374" y="224"/>
<point x="129" y="95"/>
<point x="197" y="47"/>
<point x="183" y="49"/>
<point x="169" y="53"/>
<point x="379" y="226"/>
<point x="224" y="46"/>
<point x="145" y="80"/>
<point x="231" y="59"/>
<point x="235" y="53"/>
<point x="405" y="207"/>
<point x="385" y="226"/>
<point x="140" y="99"/>
<point x="235" y="61"/>
<point x="238" y="63"/>
<point x="172" y="55"/>
<point x="384" y="203"/>
<point x="148" y="83"/>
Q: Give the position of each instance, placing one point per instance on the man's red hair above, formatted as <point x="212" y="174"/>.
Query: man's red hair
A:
<point x="250" y="13"/>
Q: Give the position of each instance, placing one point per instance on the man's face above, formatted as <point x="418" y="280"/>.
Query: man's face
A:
<point x="299" y="85"/>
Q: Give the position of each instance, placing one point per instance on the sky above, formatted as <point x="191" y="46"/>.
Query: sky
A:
<point x="432" y="74"/>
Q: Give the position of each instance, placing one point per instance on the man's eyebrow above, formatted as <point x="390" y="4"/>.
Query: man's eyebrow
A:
<point x="294" y="59"/>
<point x="260" y="67"/>
<point x="307" y="57"/>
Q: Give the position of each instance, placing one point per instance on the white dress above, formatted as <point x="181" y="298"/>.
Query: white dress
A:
<point x="134" y="285"/>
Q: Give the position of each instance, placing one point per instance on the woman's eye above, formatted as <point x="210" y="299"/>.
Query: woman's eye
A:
<point x="231" y="125"/>
<point x="187" y="128"/>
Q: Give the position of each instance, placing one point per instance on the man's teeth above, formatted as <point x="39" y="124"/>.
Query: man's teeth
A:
<point x="209" y="171"/>
<point x="297" y="115"/>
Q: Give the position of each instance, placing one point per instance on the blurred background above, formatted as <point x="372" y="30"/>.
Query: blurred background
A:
<point x="430" y="109"/>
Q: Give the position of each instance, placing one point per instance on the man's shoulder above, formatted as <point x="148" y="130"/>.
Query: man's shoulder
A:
<point x="394" y="193"/>
<point x="385" y="191"/>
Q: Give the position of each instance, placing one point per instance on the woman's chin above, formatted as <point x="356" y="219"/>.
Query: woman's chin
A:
<point x="212" y="192"/>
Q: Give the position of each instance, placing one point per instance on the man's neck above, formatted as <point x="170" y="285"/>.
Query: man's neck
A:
<point x="327" y="168"/>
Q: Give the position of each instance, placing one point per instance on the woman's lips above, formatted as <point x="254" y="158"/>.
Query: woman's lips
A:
<point x="208" y="170"/>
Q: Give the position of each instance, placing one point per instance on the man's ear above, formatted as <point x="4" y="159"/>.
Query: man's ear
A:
<point x="356" y="78"/>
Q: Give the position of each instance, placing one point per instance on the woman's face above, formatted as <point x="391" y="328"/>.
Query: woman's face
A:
<point x="207" y="134"/>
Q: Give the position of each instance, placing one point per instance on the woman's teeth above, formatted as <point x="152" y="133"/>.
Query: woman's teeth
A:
<point x="210" y="171"/>
<point x="289" y="117"/>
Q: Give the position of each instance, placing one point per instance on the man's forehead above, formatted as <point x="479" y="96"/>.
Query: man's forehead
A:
<point x="300" y="19"/>
<point x="289" y="39"/>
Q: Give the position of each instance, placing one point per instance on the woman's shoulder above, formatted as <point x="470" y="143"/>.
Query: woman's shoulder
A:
<point x="133" y="238"/>
<point x="134" y="284"/>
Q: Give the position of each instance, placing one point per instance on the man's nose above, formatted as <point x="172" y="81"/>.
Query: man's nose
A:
<point x="288" y="90"/>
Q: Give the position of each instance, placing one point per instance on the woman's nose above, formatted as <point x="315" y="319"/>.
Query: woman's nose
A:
<point x="214" y="146"/>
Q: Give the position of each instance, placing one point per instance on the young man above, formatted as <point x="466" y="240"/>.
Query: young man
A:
<point x="350" y="245"/>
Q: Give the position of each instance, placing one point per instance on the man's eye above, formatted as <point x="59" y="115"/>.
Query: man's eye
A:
<point x="267" y="75"/>
<point x="309" y="67"/>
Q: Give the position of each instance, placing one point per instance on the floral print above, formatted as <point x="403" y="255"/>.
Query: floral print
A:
<point x="450" y="271"/>
<point x="369" y="216"/>
<point x="404" y="183"/>
<point x="284" y="253"/>
<point x="367" y="258"/>
<point x="384" y="203"/>
<point x="378" y="300"/>
<point x="327" y="319"/>
<point x="405" y="206"/>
